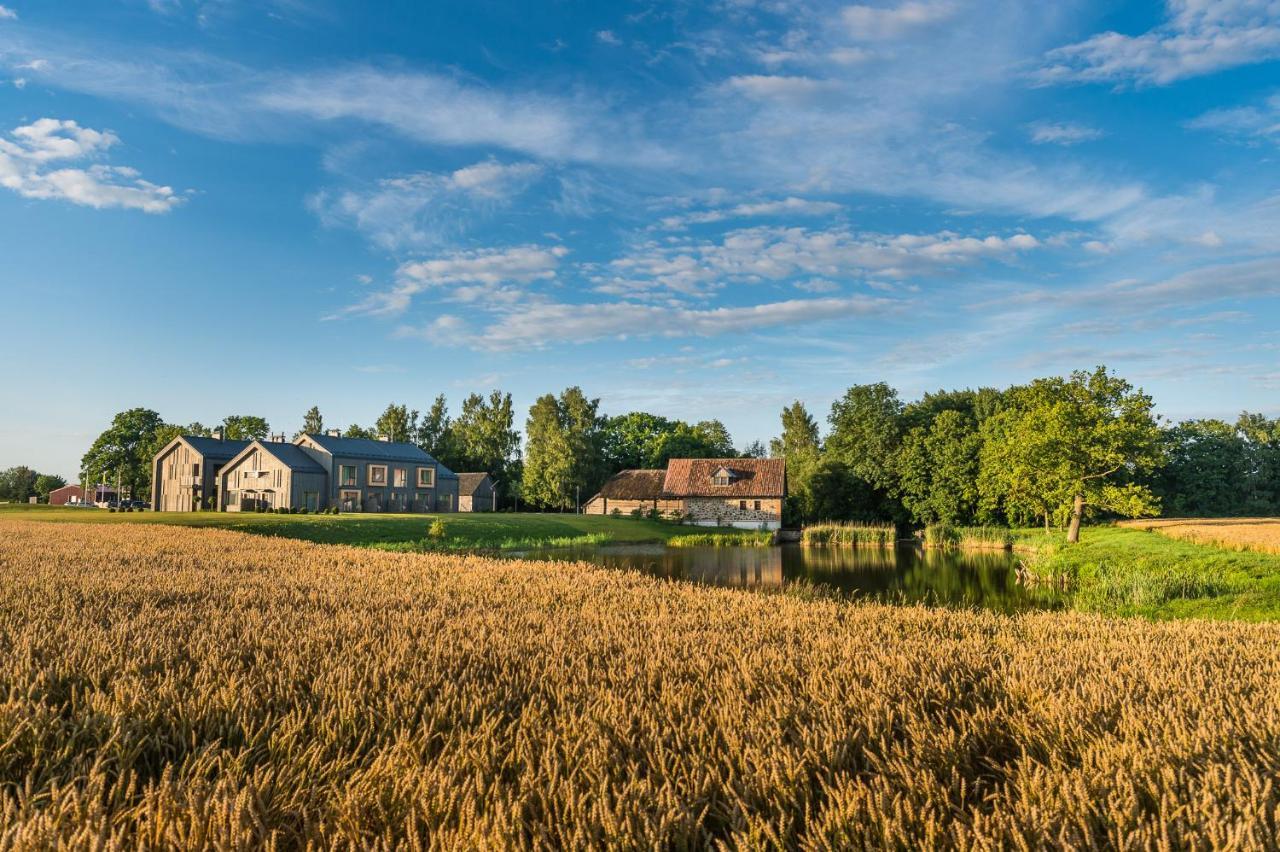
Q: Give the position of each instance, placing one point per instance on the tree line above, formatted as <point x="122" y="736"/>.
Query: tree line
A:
<point x="19" y="484"/>
<point x="1054" y="451"/>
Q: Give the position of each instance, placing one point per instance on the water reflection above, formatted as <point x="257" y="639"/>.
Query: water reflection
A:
<point x="897" y="575"/>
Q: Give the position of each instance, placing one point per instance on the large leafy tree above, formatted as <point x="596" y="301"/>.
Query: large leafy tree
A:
<point x="1207" y="472"/>
<point x="548" y="459"/>
<point x="17" y="484"/>
<point x="47" y="482"/>
<point x="486" y="437"/>
<point x="435" y="434"/>
<point x="799" y="433"/>
<point x="938" y="469"/>
<point x="632" y="440"/>
<point x="1072" y="446"/>
<point x="397" y="423"/>
<point x="245" y="427"/>
<point x="707" y="439"/>
<point x="123" y="451"/>
<point x="355" y="430"/>
<point x="866" y="431"/>
<point x="1262" y="477"/>
<point x="564" y="449"/>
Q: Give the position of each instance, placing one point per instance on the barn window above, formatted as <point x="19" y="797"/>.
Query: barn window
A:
<point x="742" y="505"/>
<point x="721" y="478"/>
<point x="377" y="474"/>
<point x="426" y="477"/>
<point x="348" y="474"/>
<point x="757" y="505"/>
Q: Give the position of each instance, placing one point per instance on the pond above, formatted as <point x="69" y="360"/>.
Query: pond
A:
<point x="904" y="574"/>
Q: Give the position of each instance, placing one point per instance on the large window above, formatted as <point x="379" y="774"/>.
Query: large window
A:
<point x="347" y="474"/>
<point x="349" y="501"/>
<point x="401" y="478"/>
<point x="377" y="474"/>
<point x="426" y="477"/>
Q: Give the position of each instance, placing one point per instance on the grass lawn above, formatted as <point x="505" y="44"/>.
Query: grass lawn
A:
<point x="463" y="530"/>
<point x="1126" y="571"/>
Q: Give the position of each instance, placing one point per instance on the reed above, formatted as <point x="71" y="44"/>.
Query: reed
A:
<point x="968" y="538"/>
<point x="849" y="534"/>
<point x="211" y="689"/>
<point x="754" y="538"/>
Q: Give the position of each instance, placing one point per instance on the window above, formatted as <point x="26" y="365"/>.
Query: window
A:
<point x="420" y="501"/>
<point x="721" y="477"/>
<point x="195" y="469"/>
<point x="277" y="478"/>
<point x="311" y="499"/>
<point x="401" y="477"/>
<point x="444" y="503"/>
<point x="377" y="474"/>
<point x="742" y="505"/>
<point x="757" y="505"/>
<point x="347" y="474"/>
<point x="349" y="501"/>
<point x="426" y="477"/>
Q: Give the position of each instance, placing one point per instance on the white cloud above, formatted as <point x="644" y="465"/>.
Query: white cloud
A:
<point x="784" y="207"/>
<point x="776" y="87"/>
<point x="693" y="267"/>
<point x="444" y="111"/>
<point x="878" y="23"/>
<point x="469" y="275"/>
<point x="7" y="14"/>
<point x="1062" y="133"/>
<point x="607" y="37"/>
<point x="1249" y="122"/>
<point x="1200" y="37"/>
<point x="541" y="324"/>
<point x="425" y="209"/>
<point x="26" y="167"/>
<point x="19" y="82"/>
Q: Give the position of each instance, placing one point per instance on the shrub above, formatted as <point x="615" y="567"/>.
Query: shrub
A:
<point x="437" y="531"/>
<point x="615" y="512"/>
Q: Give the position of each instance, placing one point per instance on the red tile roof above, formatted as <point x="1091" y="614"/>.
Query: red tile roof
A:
<point x="748" y="478"/>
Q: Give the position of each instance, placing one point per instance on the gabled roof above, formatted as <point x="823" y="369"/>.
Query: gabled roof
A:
<point x="213" y="449"/>
<point x="748" y="478"/>
<point x="469" y="483"/>
<point x="633" y="485"/>
<point x="292" y="456"/>
<point x="366" y="448"/>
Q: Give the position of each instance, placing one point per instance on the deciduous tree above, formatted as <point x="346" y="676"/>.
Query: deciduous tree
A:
<point x="122" y="451"/>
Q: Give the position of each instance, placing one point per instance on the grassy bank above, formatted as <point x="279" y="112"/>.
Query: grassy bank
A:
<point x="217" y="690"/>
<point x="464" y="531"/>
<point x="1131" y="571"/>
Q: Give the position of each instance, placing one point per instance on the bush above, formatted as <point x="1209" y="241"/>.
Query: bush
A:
<point x="437" y="531"/>
<point x="615" y="512"/>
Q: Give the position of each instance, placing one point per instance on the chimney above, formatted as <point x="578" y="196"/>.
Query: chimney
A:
<point x="334" y="433"/>
<point x="278" y="439"/>
<point x="386" y="439"/>
<point x="217" y="433"/>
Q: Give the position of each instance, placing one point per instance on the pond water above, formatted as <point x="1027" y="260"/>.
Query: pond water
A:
<point x="904" y="574"/>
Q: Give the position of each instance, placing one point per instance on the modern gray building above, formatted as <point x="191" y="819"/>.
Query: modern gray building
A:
<point x="313" y="472"/>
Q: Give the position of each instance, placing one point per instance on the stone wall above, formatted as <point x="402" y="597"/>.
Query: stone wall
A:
<point x="707" y="511"/>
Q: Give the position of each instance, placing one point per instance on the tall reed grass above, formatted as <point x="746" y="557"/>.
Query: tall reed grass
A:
<point x="750" y="538"/>
<point x="209" y="689"/>
<point x="849" y="534"/>
<point x="968" y="538"/>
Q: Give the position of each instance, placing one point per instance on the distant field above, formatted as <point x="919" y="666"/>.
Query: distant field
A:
<point x="214" y="690"/>
<point x="464" y="530"/>
<point x="1254" y="534"/>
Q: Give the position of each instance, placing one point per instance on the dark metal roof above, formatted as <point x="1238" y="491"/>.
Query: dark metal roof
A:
<point x="391" y="451"/>
<point x="293" y="457"/>
<point x="213" y="449"/>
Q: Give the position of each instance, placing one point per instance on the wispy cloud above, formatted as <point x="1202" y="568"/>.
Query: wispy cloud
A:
<point x="543" y="324"/>
<point x="33" y="163"/>
<point x="1199" y="37"/>
<point x="7" y="14"/>
<point x="1062" y="133"/>
<point x="878" y="23"/>
<point x="783" y="207"/>
<point x="425" y="209"/>
<point x="1249" y="123"/>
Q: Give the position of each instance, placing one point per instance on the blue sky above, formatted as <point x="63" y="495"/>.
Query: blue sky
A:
<point x="697" y="209"/>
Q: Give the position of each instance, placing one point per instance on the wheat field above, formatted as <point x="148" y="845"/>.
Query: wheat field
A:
<point x="1261" y="535"/>
<point x="167" y="688"/>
